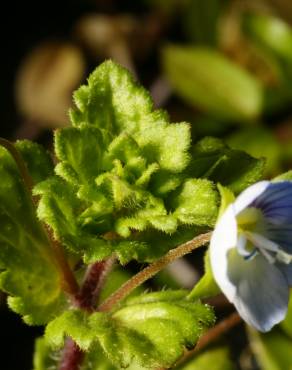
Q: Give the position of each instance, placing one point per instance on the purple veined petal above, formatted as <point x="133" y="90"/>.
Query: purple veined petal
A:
<point x="223" y="239"/>
<point x="276" y="203"/>
<point x="281" y="235"/>
<point x="248" y="196"/>
<point x="262" y="291"/>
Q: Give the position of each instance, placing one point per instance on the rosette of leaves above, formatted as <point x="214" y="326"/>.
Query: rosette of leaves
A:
<point x="124" y="176"/>
<point x="117" y="163"/>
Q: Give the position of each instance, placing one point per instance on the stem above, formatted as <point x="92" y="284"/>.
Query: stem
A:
<point x="72" y="356"/>
<point x="211" y="335"/>
<point x="86" y="298"/>
<point x="94" y="279"/>
<point x="69" y="282"/>
<point x="153" y="269"/>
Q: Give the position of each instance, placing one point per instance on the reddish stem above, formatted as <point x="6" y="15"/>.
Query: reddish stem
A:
<point x="85" y="299"/>
<point x="94" y="279"/>
<point x="72" y="356"/>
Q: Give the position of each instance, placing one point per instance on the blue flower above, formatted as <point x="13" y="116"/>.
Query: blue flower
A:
<point x="251" y="253"/>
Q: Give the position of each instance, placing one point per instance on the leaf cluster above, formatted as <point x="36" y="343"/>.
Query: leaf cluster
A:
<point x="126" y="175"/>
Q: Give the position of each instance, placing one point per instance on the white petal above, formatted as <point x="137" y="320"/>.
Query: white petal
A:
<point x="223" y="239"/>
<point x="249" y="195"/>
<point x="262" y="291"/>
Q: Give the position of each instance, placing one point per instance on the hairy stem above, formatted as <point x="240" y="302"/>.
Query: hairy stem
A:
<point x="93" y="282"/>
<point x="211" y="335"/>
<point x="72" y="356"/>
<point x="153" y="269"/>
<point x="85" y="299"/>
<point x="69" y="282"/>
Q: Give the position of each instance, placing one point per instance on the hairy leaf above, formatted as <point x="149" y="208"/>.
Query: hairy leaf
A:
<point x="119" y="165"/>
<point x="113" y="102"/>
<point x="148" y="331"/>
<point x="37" y="159"/>
<point x="29" y="273"/>
<point x="196" y="203"/>
<point x="47" y="358"/>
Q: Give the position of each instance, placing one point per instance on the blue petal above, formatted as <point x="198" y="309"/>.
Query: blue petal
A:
<point x="262" y="291"/>
<point x="276" y="202"/>
<point x="281" y="235"/>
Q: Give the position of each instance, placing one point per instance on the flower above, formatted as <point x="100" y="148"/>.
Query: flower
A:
<point x="251" y="253"/>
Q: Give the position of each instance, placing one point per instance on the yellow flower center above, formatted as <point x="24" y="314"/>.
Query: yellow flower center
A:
<point x="249" y="219"/>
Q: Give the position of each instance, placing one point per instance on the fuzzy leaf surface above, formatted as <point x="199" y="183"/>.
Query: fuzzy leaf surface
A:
<point x="196" y="203"/>
<point x="29" y="273"/>
<point x="148" y="331"/>
<point x="119" y="164"/>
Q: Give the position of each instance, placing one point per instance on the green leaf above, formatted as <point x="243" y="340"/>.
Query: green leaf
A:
<point x="79" y="325"/>
<point x="29" y="273"/>
<point x="286" y="176"/>
<point x="149" y="331"/>
<point x="274" y="37"/>
<point x="114" y="102"/>
<point x="196" y="203"/>
<point x="37" y="159"/>
<point x="286" y="325"/>
<point x="259" y="142"/>
<point x="227" y="197"/>
<point x="206" y="79"/>
<point x="272" y="350"/>
<point x="122" y="168"/>
<point x="232" y="168"/>
<point x="80" y="151"/>
<point x="207" y="286"/>
<point x="44" y="357"/>
<point x="217" y="358"/>
<point x="60" y="208"/>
